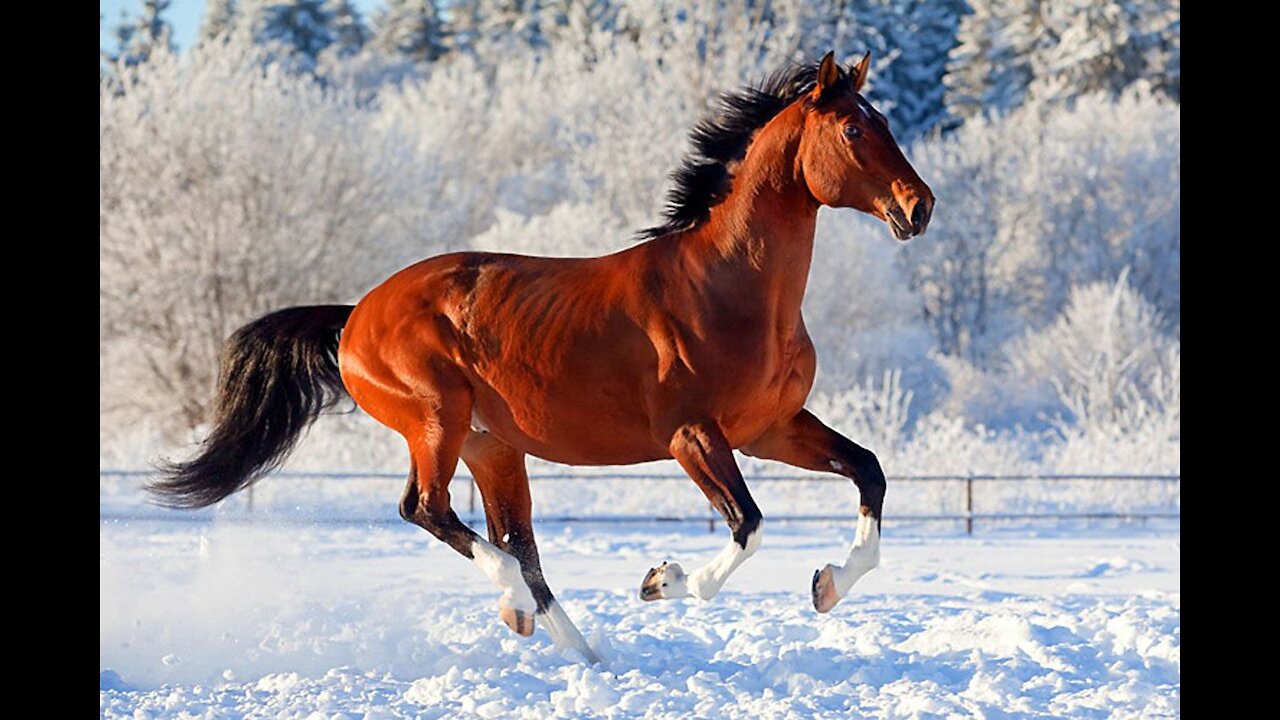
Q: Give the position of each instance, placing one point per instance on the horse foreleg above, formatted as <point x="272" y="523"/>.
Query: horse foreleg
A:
<point x="804" y="441"/>
<point x="704" y="453"/>
<point x="499" y="471"/>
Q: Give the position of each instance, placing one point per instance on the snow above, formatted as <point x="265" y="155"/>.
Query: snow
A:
<point x="226" y="619"/>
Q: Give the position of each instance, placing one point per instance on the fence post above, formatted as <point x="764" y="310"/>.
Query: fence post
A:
<point x="968" y="505"/>
<point x="471" y="498"/>
<point x="711" y="518"/>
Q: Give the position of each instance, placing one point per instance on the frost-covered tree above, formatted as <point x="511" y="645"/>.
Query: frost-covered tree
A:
<point x="219" y="19"/>
<point x="122" y="31"/>
<point x="410" y="29"/>
<point x="293" y="31"/>
<point x="349" y="31"/>
<point x="919" y="36"/>
<point x="1010" y="51"/>
<point x="1106" y="356"/>
<point x="990" y="68"/>
<point x="148" y="34"/>
<point x="504" y="22"/>
<point x="1039" y="201"/>
<point x="578" y="22"/>
<point x="228" y="188"/>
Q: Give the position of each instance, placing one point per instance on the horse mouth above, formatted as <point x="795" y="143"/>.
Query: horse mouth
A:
<point x="901" y="229"/>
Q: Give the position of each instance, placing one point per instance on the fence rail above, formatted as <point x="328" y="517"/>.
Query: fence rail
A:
<point x="968" y="516"/>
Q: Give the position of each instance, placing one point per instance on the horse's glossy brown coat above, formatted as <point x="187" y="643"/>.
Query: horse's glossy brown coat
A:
<point x="601" y="360"/>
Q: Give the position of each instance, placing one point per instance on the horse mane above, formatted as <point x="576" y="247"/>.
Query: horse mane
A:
<point x="720" y="139"/>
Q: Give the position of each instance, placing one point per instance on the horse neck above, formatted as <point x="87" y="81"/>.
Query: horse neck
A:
<point x="757" y="244"/>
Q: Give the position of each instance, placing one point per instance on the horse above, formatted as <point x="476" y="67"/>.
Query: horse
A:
<point x="689" y="345"/>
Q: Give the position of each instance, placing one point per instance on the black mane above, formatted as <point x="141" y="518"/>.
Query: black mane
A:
<point x="703" y="178"/>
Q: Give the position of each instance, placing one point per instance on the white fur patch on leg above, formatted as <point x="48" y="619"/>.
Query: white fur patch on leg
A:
<point x="504" y="571"/>
<point x="864" y="556"/>
<point x="565" y="634"/>
<point x="707" y="580"/>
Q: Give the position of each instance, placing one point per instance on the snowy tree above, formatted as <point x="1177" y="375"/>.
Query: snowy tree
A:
<point x="1106" y="356"/>
<point x="578" y="22"/>
<point x="295" y="32"/>
<point x="478" y="22"/>
<point x="410" y="28"/>
<point x="919" y="36"/>
<point x="1039" y="201"/>
<point x="1011" y="51"/>
<point x="138" y="40"/>
<point x="229" y="188"/>
<point x="219" y="19"/>
<point x="990" y="67"/>
<point x="349" y="31"/>
<point x="122" y="31"/>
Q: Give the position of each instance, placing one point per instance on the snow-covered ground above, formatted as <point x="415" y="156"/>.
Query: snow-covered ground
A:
<point x="269" y="619"/>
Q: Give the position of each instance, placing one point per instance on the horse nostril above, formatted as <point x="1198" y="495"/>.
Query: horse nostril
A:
<point x="918" y="216"/>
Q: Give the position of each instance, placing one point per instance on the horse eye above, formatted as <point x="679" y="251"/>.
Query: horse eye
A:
<point x="853" y="132"/>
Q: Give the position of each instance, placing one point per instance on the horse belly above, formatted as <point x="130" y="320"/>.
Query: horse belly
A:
<point x="579" y="419"/>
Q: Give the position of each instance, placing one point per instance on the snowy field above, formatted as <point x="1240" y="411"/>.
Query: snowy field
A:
<point x="296" y="620"/>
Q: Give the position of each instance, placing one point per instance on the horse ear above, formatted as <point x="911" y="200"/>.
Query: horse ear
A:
<point x="828" y="74"/>
<point x="859" y="72"/>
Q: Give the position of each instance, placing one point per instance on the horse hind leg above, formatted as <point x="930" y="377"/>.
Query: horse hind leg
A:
<point x="435" y="447"/>
<point x="499" y="471"/>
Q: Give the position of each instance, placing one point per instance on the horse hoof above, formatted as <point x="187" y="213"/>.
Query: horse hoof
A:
<point x="520" y="622"/>
<point x="663" y="582"/>
<point x="824" y="590"/>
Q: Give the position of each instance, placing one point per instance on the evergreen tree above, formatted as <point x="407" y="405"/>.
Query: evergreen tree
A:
<point x="123" y="32"/>
<point x="920" y="35"/>
<point x="410" y="28"/>
<point x="296" y="31"/>
<point x="990" y="68"/>
<point x="349" y="31"/>
<point x="909" y="41"/>
<point x="219" y="18"/>
<point x="1013" y="50"/>
<point x="575" y="20"/>
<point x="474" y="21"/>
<point x="137" y="40"/>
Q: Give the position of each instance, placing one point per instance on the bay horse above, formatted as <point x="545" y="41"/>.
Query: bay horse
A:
<point x="688" y="345"/>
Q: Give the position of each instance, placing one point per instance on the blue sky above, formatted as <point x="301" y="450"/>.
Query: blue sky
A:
<point x="184" y="15"/>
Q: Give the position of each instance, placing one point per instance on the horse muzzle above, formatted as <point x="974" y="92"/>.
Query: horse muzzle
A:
<point x="906" y="226"/>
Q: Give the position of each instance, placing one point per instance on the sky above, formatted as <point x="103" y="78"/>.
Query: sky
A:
<point x="184" y="15"/>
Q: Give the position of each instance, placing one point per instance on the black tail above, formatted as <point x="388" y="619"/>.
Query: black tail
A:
<point x="278" y="374"/>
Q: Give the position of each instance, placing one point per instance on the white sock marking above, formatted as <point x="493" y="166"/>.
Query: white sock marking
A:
<point x="863" y="556"/>
<point x="564" y="633"/>
<point x="707" y="580"/>
<point x="504" y="571"/>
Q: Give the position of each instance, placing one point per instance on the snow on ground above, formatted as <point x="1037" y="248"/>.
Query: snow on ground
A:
<point x="296" y="620"/>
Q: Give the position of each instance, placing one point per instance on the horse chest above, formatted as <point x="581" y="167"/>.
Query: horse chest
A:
<point x="760" y="382"/>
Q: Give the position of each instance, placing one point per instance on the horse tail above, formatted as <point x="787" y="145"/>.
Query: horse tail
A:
<point x="277" y="374"/>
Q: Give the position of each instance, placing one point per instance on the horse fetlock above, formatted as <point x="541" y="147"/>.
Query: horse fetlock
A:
<point x="665" y="582"/>
<point x="505" y="572"/>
